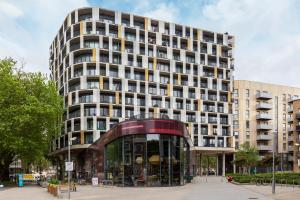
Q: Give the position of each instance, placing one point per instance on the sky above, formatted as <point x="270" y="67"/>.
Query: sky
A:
<point x="267" y="31"/>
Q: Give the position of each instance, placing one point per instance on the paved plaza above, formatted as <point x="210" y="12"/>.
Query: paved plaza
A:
<point x="211" y="188"/>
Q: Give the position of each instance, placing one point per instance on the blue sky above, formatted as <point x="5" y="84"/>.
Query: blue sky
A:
<point x="267" y="31"/>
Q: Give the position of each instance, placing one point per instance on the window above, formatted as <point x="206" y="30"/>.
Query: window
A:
<point x="284" y="107"/>
<point x="247" y="93"/>
<point x="92" y="85"/>
<point x="247" y="124"/>
<point x="284" y="126"/>
<point x="247" y="114"/>
<point x="247" y="103"/>
<point x="284" y="117"/>
<point x="235" y="93"/>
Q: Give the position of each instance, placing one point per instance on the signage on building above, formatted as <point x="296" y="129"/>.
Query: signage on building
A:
<point x="95" y="181"/>
<point x="69" y="166"/>
<point x="28" y="177"/>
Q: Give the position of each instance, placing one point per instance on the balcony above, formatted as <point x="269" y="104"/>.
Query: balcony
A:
<point x="298" y="115"/>
<point x="298" y="128"/>
<point x="264" y="116"/>
<point x="264" y="95"/>
<point x="290" y="129"/>
<point x="264" y="137"/>
<point x="290" y="148"/>
<point x="264" y="106"/>
<point x="290" y="139"/>
<point x="264" y="126"/>
<point x="264" y="147"/>
<point x="290" y="119"/>
<point x="290" y="109"/>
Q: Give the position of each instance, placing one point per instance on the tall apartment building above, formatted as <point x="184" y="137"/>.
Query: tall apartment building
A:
<point x="294" y="134"/>
<point x="259" y="108"/>
<point x="110" y="66"/>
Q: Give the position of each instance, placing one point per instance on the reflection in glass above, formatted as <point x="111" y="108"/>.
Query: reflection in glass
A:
<point x="147" y="160"/>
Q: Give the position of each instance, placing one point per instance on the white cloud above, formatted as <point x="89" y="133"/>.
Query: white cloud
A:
<point x="161" y="11"/>
<point x="267" y="37"/>
<point x="9" y="10"/>
<point x="27" y="36"/>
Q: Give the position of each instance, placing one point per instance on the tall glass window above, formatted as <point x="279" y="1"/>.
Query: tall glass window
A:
<point x="146" y="160"/>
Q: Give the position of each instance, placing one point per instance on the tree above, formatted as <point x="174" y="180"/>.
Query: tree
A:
<point x="30" y="115"/>
<point x="246" y="157"/>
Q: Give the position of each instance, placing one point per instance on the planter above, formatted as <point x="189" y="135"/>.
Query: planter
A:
<point x="52" y="189"/>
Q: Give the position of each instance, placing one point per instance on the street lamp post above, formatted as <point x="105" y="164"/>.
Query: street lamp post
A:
<point x="69" y="160"/>
<point x="275" y="135"/>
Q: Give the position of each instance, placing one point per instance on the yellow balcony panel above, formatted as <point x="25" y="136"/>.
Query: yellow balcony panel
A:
<point x="122" y="45"/>
<point x="101" y="82"/>
<point x="94" y="55"/>
<point x="110" y="110"/>
<point x="216" y="72"/>
<point x="199" y="104"/>
<point x="81" y="28"/>
<point x="119" y="31"/>
<point x="156" y="111"/>
<point x="146" y="23"/>
<point x="229" y="97"/>
<point x="190" y="127"/>
<point x="154" y="63"/>
<point x="117" y="97"/>
<point x="169" y="89"/>
<point x="81" y="137"/>
<point x="179" y="79"/>
<point x="146" y="75"/>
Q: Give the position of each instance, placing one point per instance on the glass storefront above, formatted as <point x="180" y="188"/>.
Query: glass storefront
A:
<point x="146" y="160"/>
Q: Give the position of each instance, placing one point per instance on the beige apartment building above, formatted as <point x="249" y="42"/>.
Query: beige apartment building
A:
<point x="259" y="110"/>
<point x="294" y="135"/>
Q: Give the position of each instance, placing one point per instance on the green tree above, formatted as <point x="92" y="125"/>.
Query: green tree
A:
<point x="246" y="157"/>
<point x="30" y="115"/>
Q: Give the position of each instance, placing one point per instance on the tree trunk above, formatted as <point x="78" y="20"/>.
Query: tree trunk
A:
<point x="5" y="161"/>
<point x="4" y="170"/>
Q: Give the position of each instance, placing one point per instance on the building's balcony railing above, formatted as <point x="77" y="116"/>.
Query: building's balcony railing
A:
<point x="264" y="147"/>
<point x="264" y="95"/>
<point x="265" y="116"/>
<point x="290" y="148"/>
<point x="298" y="128"/>
<point x="298" y="115"/>
<point x="264" y="137"/>
<point x="290" y="109"/>
<point x="264" y="126"/>
<point x="265" y="106"/>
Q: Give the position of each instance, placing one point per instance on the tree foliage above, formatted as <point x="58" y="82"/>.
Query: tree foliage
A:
<point x="30" y="114"/>
<point x="246" y="157"/>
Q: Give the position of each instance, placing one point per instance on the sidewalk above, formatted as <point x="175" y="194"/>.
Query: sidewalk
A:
<point x="281" y="192"/>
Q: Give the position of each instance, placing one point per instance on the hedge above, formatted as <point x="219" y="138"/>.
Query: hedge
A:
<point x="285" y="177"/>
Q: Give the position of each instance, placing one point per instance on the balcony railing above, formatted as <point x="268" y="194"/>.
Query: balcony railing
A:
<point x="264" y="126"/>
<point x="265" y="106"/>
<point x="264" y="147"/>
<point x="263" y="137"/>
<point x="265" y="116"/>
<point x="264" y="95"/>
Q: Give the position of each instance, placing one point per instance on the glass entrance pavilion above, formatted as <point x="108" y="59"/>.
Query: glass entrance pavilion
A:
<point x="147" y="152"/>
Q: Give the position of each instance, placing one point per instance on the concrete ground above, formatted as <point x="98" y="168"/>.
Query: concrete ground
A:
<point x="212" y="188"/>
